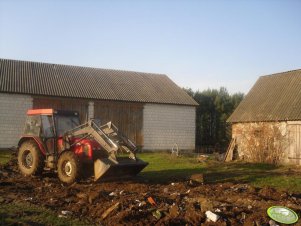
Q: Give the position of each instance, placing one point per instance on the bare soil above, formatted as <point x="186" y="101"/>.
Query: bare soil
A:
<point x="178" y="203"/>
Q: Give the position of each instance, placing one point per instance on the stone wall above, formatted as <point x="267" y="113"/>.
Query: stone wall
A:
<point x="280" y="135"/>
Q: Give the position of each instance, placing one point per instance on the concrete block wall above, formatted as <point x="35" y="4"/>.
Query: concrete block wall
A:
<point x="91" y="110"/>
<point x="13" y="108"/>
<point x="165" y="125"/>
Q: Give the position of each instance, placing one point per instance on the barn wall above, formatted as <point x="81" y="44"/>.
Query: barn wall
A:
<point x="91" y="110"/>
<point x="71" y="104"/>
<point x="290" y="139"/>
<point x="165" y="125"/>
<point x="13" y="108"/>
<point x="294" y="149"/>
<point x="128" y="117"/>
<point x="151" y="126"/>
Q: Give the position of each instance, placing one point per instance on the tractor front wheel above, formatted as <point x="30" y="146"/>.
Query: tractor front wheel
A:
<point x="30" y="159"/>
<point x="68" y="167"/>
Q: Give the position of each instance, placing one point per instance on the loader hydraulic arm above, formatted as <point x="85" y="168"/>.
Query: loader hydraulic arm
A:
<point x="107" y="136"/>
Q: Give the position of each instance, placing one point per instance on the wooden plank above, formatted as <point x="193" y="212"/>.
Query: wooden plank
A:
<point x="63" y="104"/>
<point x="229" y="153"/>
<point x="126" y="116"/>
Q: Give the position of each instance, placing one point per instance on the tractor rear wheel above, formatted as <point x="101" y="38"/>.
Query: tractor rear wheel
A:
<point x="69" y="167"/>
<point x="30" y="159"/>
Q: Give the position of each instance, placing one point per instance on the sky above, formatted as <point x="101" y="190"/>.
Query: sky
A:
<point x="198" y="44"/>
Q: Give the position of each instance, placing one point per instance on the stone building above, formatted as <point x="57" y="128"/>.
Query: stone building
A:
<point x="268" y="120"/>
<point x="149" y="108"/>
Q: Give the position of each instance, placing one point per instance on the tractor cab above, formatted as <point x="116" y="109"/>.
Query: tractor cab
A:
<point x="47" y="126"/>
<point x="50" y="123"/>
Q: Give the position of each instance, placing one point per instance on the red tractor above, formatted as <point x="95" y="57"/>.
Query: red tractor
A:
<point x="55" y="140"/>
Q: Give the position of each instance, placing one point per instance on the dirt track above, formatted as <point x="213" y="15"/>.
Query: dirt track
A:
<point x="179" y="203"/>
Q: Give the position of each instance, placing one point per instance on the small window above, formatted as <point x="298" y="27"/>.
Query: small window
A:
<point x="32" y="125"/>
<point x="65" y="123"/>
<point x="47" y="126"/>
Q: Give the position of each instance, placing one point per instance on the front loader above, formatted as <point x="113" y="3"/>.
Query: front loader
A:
<point x="55" y="140"/>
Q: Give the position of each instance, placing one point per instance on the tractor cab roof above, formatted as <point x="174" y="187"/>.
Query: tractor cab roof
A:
<point x="51" y="111"/>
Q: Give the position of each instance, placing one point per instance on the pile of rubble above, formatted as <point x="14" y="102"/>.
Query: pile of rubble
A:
<point x="137" y="201"/>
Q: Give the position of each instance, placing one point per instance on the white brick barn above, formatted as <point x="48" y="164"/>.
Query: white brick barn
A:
<point x="149" y="108"/>
<point x="270" y="117"/>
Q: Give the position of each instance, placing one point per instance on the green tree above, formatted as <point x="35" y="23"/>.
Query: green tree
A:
<point x="215" y="106"/>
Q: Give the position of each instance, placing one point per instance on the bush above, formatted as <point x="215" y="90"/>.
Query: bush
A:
<point x="265" y="142"/>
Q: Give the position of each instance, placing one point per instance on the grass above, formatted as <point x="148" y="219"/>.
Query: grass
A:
<point x="258" y="175"/>
<point x="5" y="156"/>
<point x="21" y="213"/>
<point x="164" y="168"/>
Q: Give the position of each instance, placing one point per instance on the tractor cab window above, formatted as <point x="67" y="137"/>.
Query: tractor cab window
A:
<point x="32" y="125"/>
<point x="64" y="123"/>
<point x="47" y="126"/>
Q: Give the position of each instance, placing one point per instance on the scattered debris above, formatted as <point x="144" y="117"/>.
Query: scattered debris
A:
<point x="202" y="158"/>
<point x="196" y="179"/>
<point x="205" y="203"/>
<point x="212" y="216"/>
<point x="70" y="199"/>
<point x="243" y="217"/>
<point x="113" y="194"/>
<point x="157" y="214"/>
<point x="142" y="204"/>
<point x="4" y="174"/>
<point x="151" y="201"/>
<point x="92" y="196"/>
<point x="81" y="195"/>
<point x="273" y="223"/>
<point x="137" y="202"/>
<point x="66" y="212"/>
<point x="174" y="195"/>
<point x="174" y="211"/>
<point x="108" y="211"/>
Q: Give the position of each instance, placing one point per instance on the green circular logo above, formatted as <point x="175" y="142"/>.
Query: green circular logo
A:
<point x="282" y="214"/>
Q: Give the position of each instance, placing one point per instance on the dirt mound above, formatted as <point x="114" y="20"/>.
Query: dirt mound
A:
<point x="138" y="202"/>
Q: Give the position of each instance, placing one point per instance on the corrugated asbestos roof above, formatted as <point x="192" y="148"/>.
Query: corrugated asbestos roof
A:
<point x="274" y="97"/>
<point x="83" y="82"/>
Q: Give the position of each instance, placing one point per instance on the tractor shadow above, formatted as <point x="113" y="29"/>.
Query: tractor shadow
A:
<point x="219" y="172"/>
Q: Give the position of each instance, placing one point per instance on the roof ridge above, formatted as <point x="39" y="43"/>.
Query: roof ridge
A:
<point x="86" y="67"/>
<point x="280" y="73"/>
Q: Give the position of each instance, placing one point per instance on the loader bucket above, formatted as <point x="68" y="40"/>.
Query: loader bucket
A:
<point x="106" y="168"/>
